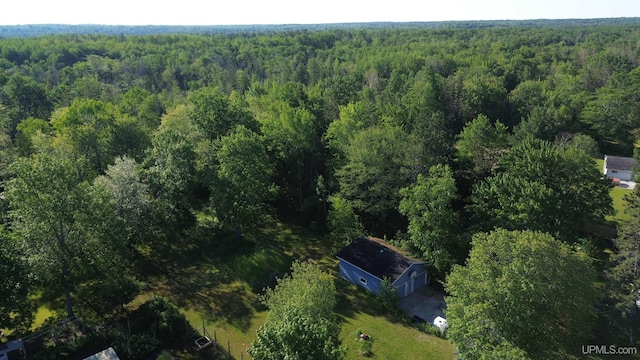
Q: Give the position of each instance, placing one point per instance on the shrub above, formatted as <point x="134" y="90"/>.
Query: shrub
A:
<point x="160" y="315"/>
<point x="387" y="295"/>
<point x="431" y="330"/>
<point x="136" y="346"/>
<point x="364" y="343"/>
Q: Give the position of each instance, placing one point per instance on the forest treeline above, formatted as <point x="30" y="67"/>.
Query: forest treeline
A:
<point x="425" y="136"/>
<point x="31" y="30"/>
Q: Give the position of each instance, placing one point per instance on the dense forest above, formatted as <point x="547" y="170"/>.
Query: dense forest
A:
<point x="462" y="144"/>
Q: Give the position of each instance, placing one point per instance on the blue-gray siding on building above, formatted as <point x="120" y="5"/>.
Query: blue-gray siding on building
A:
<point x="353" y="274"/>
<point x="406" y="284"/>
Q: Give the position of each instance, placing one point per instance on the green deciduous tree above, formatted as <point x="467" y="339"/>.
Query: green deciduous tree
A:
<point x="27" y="98"/>
<point x="343" y="222"/>
<point x="521" y="293"/>
<point x="172" y="176"/>
<point x="243" y="182"/>
<point x="544" y="188"/>
<point x="97" y="133"/>
<point x="297" y="337"/>
<point x="434" y="226"/>
<point x="380" y="161"/>
<point x="480" y="145"/>
<point x="130" y="197"/>
<point x="300" y="324"/>
<point x="15" y="309"/>
<point x="623" y="275"/>
<point x="216" y="114"/>
<point x="69" y="229"/>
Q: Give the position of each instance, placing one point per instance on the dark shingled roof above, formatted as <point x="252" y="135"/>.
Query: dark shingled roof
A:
<point x="377" y="258"/>
<point x="621" y="163"/>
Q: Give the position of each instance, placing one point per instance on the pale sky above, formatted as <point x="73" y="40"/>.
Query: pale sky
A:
<point x="236" y="12"/>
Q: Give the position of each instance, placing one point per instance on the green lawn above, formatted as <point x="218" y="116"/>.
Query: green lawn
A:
<point x="617" y="195"/>
<point x="221" y="287"/>
<point x="619" y="204"/>
<point x="391" y="338"/>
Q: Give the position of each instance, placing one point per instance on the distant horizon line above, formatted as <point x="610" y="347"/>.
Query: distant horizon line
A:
<point x="328" y="23"/>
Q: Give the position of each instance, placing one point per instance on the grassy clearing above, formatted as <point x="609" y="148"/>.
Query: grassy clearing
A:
<point x="229" y="303"/>
<point x="619" y="204"/>
<point x="617" y="195"/>
<point x="391" y="338"/>
<point x="217" y="280"/>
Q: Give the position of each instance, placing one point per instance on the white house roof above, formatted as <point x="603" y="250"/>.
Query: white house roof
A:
<point x="620" y="163"/>
<point x="108" y="354"/>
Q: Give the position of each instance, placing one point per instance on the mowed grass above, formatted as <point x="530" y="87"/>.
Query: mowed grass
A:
<point x="391" y="337"/>
<point x="619" y="204"/>
<point x="617" y="195"/>
<point x="216" y="281"/>
<point x="224" y="295"/>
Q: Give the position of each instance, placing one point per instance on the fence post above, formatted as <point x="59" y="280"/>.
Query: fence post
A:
<point x="229" y="349"/>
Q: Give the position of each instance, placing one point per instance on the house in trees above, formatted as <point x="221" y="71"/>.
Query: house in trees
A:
<point x="367" y="261"/>
<point x="618" y="167"/>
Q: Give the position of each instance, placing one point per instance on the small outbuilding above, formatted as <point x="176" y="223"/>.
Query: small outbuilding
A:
<point x="619" y="167"/>
<point x="367" y="261"/>
<point x="107" y="354"/>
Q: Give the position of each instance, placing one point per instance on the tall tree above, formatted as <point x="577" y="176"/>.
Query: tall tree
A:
<point x="243" y="184"/>
<point x="216" y="114"/>
<point x="344" y="223"/>
<point x="434" y="226"/>
<point x="480" y="145"/>
<point x="623" y="275"/>
<point x="542" y="187"/>
<point x="27" y="98"/>
<point x="129" y="196"/>
<point x="97" y="133"/>
<point x="172" y="176"/>
<point x="291" y="133"/>
<point x="15" y="309"/>
<point x="380" y="161"/>
<point x="69" y="228"/>
<point x="521" y="293"/>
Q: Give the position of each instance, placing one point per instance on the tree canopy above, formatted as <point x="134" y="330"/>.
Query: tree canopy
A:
<point x="300" y="323"/>
<point x="522" y="294"/>
<point x="542" y="187"/>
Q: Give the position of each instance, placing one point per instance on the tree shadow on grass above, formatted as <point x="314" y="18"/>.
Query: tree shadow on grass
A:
<point x="353" y="300"/>
<point x="181" y="273"/>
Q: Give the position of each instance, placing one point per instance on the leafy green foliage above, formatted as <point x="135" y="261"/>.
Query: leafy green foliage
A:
<point x="15" y="311"/>
<point x="623" y="276"/>
<point x="68" y="228"/>
<point x="521" y="295"/>
<point x="380" y="161"/>
<point x="300" y="323"/>
<point x="355" y="112"/>
<point x="481" y="144"/>
<point x="434" y="226"/>
<point x="307" y="288"/>
<point x="130" y="197"/>
<point x="243" y="184"/>
<point x="387" y="294"/>
<point x="343" y="222"/>
<point x="297" y="336"/>
<point x="528" y="192"/>
<point x="215" y="114"/>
